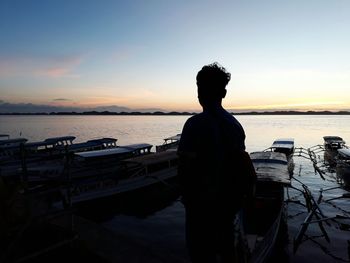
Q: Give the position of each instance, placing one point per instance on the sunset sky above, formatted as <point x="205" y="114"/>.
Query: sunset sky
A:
<point x="146" y="54"/>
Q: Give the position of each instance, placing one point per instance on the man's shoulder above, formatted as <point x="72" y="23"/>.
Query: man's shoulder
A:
<point x="195" y="119"/>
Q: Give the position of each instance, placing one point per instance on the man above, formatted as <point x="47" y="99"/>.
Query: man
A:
<point x="215" y="172"/>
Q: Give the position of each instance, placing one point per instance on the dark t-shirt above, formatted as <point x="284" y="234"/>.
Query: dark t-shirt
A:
<point x="210" y="149"/>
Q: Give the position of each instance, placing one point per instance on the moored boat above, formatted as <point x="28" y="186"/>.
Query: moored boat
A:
<point x="285" y="146"/>
<point x="170" y="143"/>
<point x="343" y="165"/>
<point x="331" y="146"/>
<point x="132" y="176"/>
<point x="262" y="222"/>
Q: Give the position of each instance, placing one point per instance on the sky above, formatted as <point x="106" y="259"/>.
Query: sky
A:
<point x="282" y="55"/>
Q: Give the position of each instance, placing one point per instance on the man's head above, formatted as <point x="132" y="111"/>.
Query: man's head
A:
<point x="211" y="82"/>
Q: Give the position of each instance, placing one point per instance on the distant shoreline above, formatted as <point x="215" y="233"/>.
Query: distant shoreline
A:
<point x="174" y="113"/>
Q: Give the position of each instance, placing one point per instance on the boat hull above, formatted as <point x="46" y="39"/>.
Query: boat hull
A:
<point x="343" y="172"/>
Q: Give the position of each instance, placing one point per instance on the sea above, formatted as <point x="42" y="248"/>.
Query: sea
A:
<point x="163" y="229"/>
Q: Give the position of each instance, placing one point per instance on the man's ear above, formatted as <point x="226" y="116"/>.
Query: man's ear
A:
<point x="224" y="93"/>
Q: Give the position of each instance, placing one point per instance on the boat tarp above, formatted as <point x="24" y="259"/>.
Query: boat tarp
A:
<point x="153" y="158"/>
<point x="271" y="167"/>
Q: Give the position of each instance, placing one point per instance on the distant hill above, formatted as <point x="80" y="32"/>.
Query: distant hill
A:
<point x="159" y="113"/>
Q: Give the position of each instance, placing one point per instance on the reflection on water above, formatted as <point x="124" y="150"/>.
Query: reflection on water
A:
<point x="163" y="228"/>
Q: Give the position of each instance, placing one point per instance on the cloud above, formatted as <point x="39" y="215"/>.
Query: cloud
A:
<point x="52" y="67"/>
<point x="61" y="67"/>
<point x="61" y="99"/>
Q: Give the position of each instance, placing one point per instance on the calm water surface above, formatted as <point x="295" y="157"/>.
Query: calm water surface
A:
<point x="260" y="130"/>
<point x="163" y="230"/>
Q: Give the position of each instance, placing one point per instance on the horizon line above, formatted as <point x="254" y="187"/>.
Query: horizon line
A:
<point x="255" y="112"/>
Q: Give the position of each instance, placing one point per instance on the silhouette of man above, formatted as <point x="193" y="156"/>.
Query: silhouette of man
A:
<point x="215" y="172"/>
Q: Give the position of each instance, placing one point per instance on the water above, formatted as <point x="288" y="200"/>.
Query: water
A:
<point x="163" y="230"/>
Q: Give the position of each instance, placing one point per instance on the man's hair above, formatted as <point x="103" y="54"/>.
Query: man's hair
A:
<point x="213" y="76"/>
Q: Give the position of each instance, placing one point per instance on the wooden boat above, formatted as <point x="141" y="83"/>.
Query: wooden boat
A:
<point x="132" y="176"/>
<point x="331" y="146"/>
<point x="343" y="165"/>
<point x="13" y="147"/>
<point x="262" y="222"/>
<point x="170" y="144"/>
<point x="285" y="146"/>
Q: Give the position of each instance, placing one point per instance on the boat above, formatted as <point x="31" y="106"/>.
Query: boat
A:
<point x="12" y="148"/>
<point x="343" y="165"/>
<point x="133" y="176"/>
<point x="285" y="146"/>
<point x="170" y="143"/>
<point x="331" y="145"/>
<point x="263" y="221"/>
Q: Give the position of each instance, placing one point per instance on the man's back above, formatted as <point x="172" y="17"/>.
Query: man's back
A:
<point x="214" y="139"/>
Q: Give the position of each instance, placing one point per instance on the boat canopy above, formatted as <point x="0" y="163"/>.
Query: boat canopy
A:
<point x="37" y="144"/>
<point x="60" y="140"/>
<point x="271" y="167"/>
<point x="333" y="139"/>
<point x="81" y="146"/>
<point x="176" y="137"/>
<point x="283" y="143"/>
<point x="104" y="153"/>
<point x="138" y="146"/>
<point x="132" y="148"/>
<point x="344" y="153"/>
<point x="104" y="140"/>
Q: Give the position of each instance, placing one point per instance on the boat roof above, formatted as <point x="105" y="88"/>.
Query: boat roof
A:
<point x="81" y="145"/>
<point x="137" y="146"/>
<point x="176" y="137"/>
<point x="114" y="151"/>
<point x="104" y="153"/>
<point x="36" y="144"/>
<point x="284" y="143"/>
<point x="13" y="141"/>
<point x="332" y="139"/>
<point x="58" y="139"/>
<point x="153" y="158"/>
<point x="344" y="152"/>
<point x="271" y="167"/>
<point x="104" y="140"/>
